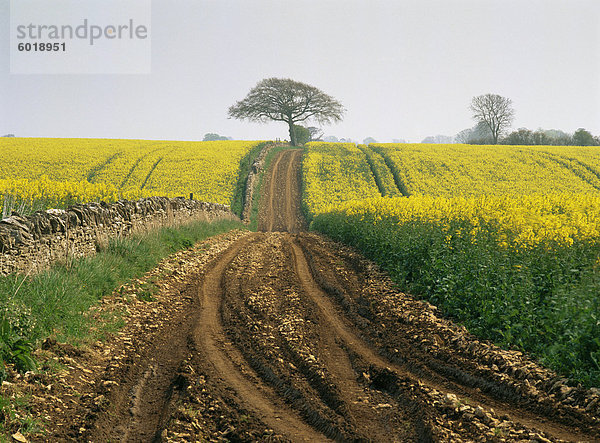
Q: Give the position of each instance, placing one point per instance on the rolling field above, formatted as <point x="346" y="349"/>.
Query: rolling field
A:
<point x="36" y="173"/>
<point x="453" y="170"/>
<point x="506" y="241"/>
<point x="286" y="335"/>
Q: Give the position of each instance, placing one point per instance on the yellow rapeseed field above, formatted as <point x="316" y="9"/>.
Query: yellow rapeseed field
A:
<point x="541" y="192"/>
<point x="333" y="173"/>
<point x="64" y="171"/>
<point x="45" y="193"/>
<point x="452" y="170"/>
<point x="505" y="239"/>
<point x="526" y="220"/>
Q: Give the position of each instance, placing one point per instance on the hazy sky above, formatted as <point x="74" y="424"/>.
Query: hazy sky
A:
<point x="403" y="69"/>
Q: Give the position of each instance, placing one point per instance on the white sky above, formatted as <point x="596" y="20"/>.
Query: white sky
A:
<point x="403" y="69"/>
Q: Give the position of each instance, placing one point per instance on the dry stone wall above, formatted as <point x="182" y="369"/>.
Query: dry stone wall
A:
<point x="257" y="166"/>
<point x="29" y="244"/>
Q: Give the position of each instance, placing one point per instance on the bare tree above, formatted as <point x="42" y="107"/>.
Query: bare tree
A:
<point x="494" y="111"/>
<point x="288" y="101"/>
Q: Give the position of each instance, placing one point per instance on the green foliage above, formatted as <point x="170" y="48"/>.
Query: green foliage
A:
<point x="302" y="135"/>
<point x="521" y="136"/>
<point x="541" y="299"/>
<point x="237" y="203"/>
<point x="524" y="136"/>
<point x="581" y="137"/>
<point x="16" y="324"/>
<point x="14" y="349"/>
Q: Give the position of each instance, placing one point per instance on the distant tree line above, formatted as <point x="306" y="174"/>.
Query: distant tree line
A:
<point x="480" y="135"/>
<point x="334" y="139"/>
<point x="366" y="141"/>
<point x="494" y="115"/>
<point x="524" y="136"/>
<point x="211" y="137"/>
<point x="295" y="103"/>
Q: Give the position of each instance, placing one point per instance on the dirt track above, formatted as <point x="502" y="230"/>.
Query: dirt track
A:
<point x="280" y="203"/>
<point x="283" y="335"/>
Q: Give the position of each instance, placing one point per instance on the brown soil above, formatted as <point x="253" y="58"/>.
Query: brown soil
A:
<point x="283" y="335"/>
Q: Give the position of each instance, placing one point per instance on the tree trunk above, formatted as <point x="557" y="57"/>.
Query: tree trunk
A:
<point x="292" y="133"/>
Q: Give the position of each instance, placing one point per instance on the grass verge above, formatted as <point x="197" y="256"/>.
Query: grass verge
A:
<point x="237" y="202"/>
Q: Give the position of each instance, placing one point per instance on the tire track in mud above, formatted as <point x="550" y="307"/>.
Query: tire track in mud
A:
<point x="281" y="204"/>
<point x="287" y="340"/>
<point x="270" y="197"/>
<point x="418" y="371"/>
<point x="339" y="346"/>
<point x="229" y="363"/>
<point x="148" y="382"/>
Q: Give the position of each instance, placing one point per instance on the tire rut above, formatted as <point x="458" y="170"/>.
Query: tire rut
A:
<point x="270" y="213"/>
<point x="148" y="382"/>
<point x="286" y="339"/>
<point x="229" y="363"/>
<point x="338" y="344"/>
<point x="281" y="203"/>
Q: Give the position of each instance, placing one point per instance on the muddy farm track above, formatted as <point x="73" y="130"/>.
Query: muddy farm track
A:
<point x="283" y="335"/>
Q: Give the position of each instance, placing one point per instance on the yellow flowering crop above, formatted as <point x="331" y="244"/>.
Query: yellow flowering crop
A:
<point x="103" y="169"/>
<point x="452" y="170"/>
<point x="539" y="192"/>
<point x="45" y="193"/>
<point x="503" y="238"/>
<point x="335" y="172"/>
<point x="382" y="173"/>
<point x="524" y="220"/>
